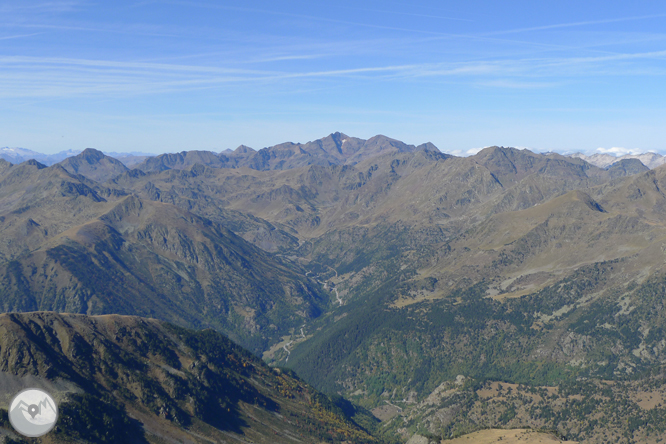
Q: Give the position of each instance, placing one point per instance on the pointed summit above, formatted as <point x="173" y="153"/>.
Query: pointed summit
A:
<point x="94" y="165"/>
<point x="428" y="146"/>
<point x="33" y="162"/>
<point x="338" y="137"/>
<point x="244" y="149"/>
<point x="91" y="155"/>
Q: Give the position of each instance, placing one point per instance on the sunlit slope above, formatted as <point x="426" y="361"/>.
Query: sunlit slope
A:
<point x="39" y="202"/>
<point x="418" y="188"/>
<point x="153" y="259"/>
<point x="571" y="288"/>
<point x="496" y="436"/>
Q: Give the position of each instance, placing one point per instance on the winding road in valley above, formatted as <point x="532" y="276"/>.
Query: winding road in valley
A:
<point x="287" y="350"/>
<point x="337" y="295"/>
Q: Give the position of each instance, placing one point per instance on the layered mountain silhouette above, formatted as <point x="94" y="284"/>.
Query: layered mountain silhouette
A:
<point x="20" y="155"/>
<point x="650" y="160"/>
<point x="336" y="149"/>
<point x="398" y="276"/>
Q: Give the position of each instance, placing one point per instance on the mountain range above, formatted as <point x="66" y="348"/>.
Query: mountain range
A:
<point x="336" y="149"/>
<point x="19" y="155"/>
<point x="445" y="294"/>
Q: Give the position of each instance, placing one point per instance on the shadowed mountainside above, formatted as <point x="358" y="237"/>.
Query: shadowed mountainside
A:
<point x="129" y="379"/>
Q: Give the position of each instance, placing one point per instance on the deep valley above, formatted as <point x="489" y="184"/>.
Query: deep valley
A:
<point x="343" y="290"/>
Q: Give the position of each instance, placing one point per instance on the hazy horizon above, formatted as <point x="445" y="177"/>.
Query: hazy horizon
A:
<point x="614" y="151"/>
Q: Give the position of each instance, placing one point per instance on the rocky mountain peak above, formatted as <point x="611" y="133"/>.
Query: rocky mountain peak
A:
<point x="94" y="165"/>
<point x="91" y="155"/>
<point x="243" y="149"/>
<point x="33" y="162"/>
<point x="338" y="137"/>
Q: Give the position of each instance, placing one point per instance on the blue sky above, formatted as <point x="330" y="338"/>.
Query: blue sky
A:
<point x="164" y="76"/>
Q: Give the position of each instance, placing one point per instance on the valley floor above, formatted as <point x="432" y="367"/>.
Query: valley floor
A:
<point x="492" y="436"/>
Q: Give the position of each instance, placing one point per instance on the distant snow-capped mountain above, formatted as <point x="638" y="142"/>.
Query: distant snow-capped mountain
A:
<point x="650" y="160"/>
<point x="18" y="155"/>
<point x="15" y="153"/>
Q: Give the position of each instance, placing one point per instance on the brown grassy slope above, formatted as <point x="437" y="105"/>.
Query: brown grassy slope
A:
<point x="514" y="436"/>
<point x="496" y="194"/>
<point x="153" y="259"/>
<point x="418" y="188"/>
<point x="37" y="203"/>
<point x="554" y="238"/>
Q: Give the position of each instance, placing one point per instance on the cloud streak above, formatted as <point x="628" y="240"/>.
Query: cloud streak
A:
<point x="18" y="36"/>
<point x="124" y="29"/>
<point x="24" y="76"/>
<point x="411" y="14"/>
<point x="575" y="24"/>
<point x="14" y="7"/>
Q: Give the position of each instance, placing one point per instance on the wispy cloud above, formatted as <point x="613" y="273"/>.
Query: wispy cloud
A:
<point x="24" y="76"/>
<point x="575" y="24"/>
<point x="516" y="84"/>
<point x="412" y="14"/>
<point x="151" y="67"/>
<point x="618" y="151"/>
<point x="51" y="77"/>
<point x="313" y="18"/>
<point x="126" y="29"/>
<point x="490" y="37"/>
<point x="282" y="58"/>
<point x="18" y="36"/>
<point x="256" y="58"/>
<point x="22" y="6"/>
